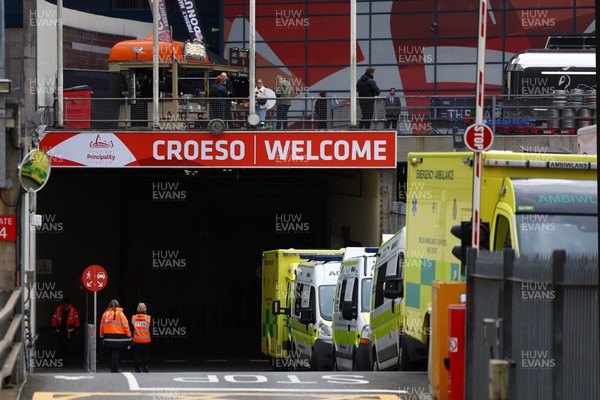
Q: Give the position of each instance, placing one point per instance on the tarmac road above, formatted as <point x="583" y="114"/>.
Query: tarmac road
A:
<point x="227" y="385"/>
<point x="213" y="376"/>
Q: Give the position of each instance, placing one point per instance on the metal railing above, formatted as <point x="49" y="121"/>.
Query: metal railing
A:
<point x="10" y="323"/>
<point x="544" y="319"/>
<point x="559" y="113"/>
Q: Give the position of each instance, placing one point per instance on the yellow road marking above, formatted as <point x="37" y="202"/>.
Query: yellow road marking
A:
<point x="165" y="394"/>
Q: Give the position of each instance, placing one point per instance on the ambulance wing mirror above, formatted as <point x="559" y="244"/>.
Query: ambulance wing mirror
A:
<point x="307" y="315"/>
<point x="349" y="311"/>
<point x="393" y="287"/>
<point x="34" y="170"/>
<point x="276" y="308"/>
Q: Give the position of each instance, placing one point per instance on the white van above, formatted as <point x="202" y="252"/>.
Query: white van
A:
<point x="352" y="303"/>
<point x="312" y="311"/>
<point x="392" y="348"/>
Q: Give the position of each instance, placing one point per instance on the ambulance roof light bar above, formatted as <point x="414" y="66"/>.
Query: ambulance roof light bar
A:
<point x="321" y="257"/>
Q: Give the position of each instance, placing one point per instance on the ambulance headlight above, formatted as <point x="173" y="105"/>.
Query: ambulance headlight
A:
<point x="365" y="335"/>
<point x="324" y="331"/>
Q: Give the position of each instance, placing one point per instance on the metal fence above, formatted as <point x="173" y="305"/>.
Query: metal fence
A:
<point x="546" y="315"/>
<point x="560" y="113"/>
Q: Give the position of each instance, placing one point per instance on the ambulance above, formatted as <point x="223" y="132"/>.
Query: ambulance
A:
<point x="391" y="348"/>
<point x="278" y="274"/>
<point x="531" y="202"/>
<point x="352" y="302"/>
<point x="312" y="312"/>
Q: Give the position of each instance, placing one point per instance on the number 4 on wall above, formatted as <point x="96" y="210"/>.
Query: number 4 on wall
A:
<point x="8" y="228"/>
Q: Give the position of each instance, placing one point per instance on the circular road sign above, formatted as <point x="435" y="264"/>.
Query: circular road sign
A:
<point x="479" y="137"/>
<point x="94" y="278"/>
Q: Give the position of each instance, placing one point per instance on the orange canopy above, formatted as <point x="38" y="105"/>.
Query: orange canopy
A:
<point x="141" y="50"/>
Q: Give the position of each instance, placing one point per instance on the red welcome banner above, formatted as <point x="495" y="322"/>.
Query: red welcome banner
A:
<point x="275" y="149"/>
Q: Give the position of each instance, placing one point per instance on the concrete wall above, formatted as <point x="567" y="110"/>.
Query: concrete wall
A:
<point x="354" y="202"/>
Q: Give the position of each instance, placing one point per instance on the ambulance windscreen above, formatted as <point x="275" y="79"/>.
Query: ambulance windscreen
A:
<point x="365" y="302"/>
<point x="326" y="293"/>
<point x="544" y="233"/>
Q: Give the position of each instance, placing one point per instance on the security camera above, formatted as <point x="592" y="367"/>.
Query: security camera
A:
<point x="433" y="26"/>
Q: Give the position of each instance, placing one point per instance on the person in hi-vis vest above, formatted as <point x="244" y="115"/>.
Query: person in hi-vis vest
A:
<point x="142" y="324"/>
<point x="65" y="322"/>
<point x="114" y="332"/>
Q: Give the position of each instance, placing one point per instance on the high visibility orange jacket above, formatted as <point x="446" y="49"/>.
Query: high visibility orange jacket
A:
<point x="114" y="323"/>
<point x="141" y="328"/>
<point x="72" y="318"/>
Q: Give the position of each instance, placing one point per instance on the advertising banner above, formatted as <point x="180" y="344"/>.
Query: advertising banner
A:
<point x="192" y="19"/>
<point x="164" y="30"/>
<point x="289" y="149"/>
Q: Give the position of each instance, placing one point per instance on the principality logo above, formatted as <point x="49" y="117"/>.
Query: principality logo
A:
<point x="101" y="144"/>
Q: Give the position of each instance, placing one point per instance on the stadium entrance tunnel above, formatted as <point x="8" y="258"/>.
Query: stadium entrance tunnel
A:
<point x="186" y="243"/>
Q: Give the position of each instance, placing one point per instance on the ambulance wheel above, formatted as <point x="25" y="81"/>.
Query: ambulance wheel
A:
<point x="404" y="363"/>
<point x="334" y="358"/>
<point x="313" y="361"/>
<point x="274" y="366"/>
<point x="335" y="365"/>
<point x="375" y="363"/>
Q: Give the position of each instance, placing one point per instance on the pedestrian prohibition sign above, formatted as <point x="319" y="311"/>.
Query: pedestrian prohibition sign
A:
<point x="452" y="345"/>
<point x="479" y="137"/>
<point x="94" y="278"/>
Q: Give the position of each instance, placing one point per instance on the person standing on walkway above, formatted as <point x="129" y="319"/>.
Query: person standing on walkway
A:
<point x="321" y="111"/>
<point x="283" y="92"/>
<point x="65" y="322"/>
<point x="142" y="324"/>
<point x="392" y="110"/>
<point x="218" y="100"/>
<point x="260" y="91"/>
<point x="114" y="332"/>
<point x="367" y="89"/>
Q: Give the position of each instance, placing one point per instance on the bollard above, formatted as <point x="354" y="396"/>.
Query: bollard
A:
<point x="498" y="379"/>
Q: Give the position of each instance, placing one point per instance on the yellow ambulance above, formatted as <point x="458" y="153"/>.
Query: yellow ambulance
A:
<point x="278" y="275"/>
<point x="531" y="202"/>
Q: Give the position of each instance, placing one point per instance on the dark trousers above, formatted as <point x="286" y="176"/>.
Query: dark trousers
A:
<point x="282" y="112"/>
<point x="63" y="345"/>
<point x="366" y="109"/>
<point x="393" y="123"/>
<point x="114" y="358"/>
<point x="141" y="356"/>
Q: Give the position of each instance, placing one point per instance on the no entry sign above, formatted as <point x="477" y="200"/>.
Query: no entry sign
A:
<point x="94" y="278"/>
<point x="479" y="137"/>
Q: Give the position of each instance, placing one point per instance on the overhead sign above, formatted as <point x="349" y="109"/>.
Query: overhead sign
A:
<point x="94" y="278"/>
<point x="8" y="228"/>
<point x="273" y="149"/>
<point x="479" y="137"/>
